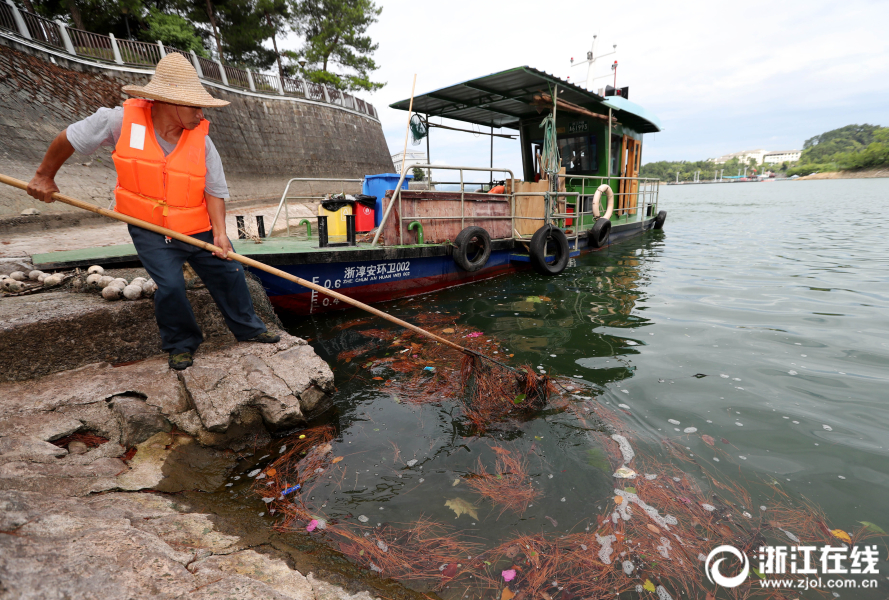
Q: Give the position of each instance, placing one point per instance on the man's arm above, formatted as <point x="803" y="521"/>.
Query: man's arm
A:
<point x="216" y="208"/>
<point x="43" y="184"/>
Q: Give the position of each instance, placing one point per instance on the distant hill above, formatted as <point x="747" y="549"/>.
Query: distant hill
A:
<point x="847" y="148"/>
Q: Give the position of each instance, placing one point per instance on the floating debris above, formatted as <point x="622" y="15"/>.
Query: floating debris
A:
<point x="625" y="449"/>
<point x="625" y="473"/>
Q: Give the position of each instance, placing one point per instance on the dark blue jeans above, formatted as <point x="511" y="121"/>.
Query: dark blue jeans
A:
<point x="224" y="280"/>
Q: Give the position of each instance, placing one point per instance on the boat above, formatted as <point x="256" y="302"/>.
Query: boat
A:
<point x="454" y="232"/>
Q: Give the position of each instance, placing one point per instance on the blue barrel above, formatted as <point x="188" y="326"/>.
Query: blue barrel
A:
<point x="378" y="185"/>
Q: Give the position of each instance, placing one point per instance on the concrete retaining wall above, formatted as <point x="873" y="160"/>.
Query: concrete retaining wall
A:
<point x="263" y="140"/>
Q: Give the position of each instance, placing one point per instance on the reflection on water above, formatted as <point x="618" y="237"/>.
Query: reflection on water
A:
<point x="757" y="318"/>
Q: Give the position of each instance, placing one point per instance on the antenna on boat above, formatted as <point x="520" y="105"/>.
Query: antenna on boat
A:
<point x="590" y="61"/>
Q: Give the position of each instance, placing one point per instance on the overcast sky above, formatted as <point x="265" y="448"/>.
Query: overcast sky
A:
<point x="721" y="77"/>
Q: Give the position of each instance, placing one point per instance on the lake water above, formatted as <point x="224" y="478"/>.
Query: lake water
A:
<point x="758" y="317"/>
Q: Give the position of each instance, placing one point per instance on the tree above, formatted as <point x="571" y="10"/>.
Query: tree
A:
<point x="419" y="174"/>
<point x="334" y="33"/>
<point x="173" y="30"/>
<point x="243" y="27"/>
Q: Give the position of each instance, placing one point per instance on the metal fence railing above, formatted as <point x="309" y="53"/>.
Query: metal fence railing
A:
<point x="171" y="50"/>
<point x="210" y="69"/>
<point x="336" y="96"/>
<point x="43" y="30"/>
<point x="139" y="53"/>
<point x="91" y="44"/>
<point x="295" y="87"/>
<point x="7" y="20"/>
<point x="314" y="91"/>
<point x="109" y="49"/>
<point x="237" y="77"/>
<point x="265" y="83"/>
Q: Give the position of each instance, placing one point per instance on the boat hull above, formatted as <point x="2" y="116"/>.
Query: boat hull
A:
<point x="400" y="273"/>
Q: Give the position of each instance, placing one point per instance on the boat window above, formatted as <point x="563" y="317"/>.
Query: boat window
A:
<point x="616" y="159"/>
<point x="579" y="154"/>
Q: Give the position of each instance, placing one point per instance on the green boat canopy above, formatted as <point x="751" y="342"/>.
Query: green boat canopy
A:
<point x="504" y="99"/>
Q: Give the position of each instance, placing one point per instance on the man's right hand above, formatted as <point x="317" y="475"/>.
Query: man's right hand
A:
<point x="42" y="188"/>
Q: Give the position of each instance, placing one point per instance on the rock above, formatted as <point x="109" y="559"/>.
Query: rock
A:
<point x="112" y="293"/>
<point x="18" y="276"/>
<point x="34" y="275"/>
<point x="138" y="421"/>
<point x="119" y="282"/>
<point x="105" y="281"/>
<point x="237" y="586"/>
<point x="77" y="447"/>
<point x="8" y="265"/>
<point x="305" y="373"/>
<point x="96" y="270"/>
<point x="310" y="400"/>
<point x="30" y="212"/>
<point x="42" y="277"/>
<point x="93" y="279"/>
<point x="132" y="292"/>
<point x="46" y="427"/>
<point x="149" y="288"/>
<point x="269" y="568"/>
<point x="328" y="591"/>
<point x="224" y="385"/>
<point x="55" y="331"/>
<point x="24" y="447"/>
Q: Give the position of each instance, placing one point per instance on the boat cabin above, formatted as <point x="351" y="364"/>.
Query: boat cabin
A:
<point x="599" y="138"/>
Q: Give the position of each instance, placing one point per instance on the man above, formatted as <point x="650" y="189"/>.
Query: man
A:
<point x="170" y="174"/>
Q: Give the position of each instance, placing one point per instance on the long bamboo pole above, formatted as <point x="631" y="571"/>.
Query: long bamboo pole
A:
<point x="250" y="263"/>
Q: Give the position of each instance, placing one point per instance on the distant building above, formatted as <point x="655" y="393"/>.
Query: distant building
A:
<point x="779" y="156"/>
<point x="412" y="157"/>
<point x="743" y="156"/>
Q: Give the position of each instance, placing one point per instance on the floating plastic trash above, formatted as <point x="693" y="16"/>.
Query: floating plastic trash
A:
<point x="291" y="489"/>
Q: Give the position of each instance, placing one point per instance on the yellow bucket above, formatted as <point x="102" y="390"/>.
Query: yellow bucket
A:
<point x="336" y="220"/>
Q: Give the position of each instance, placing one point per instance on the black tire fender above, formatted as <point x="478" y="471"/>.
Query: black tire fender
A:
<point x="599" y="234"/>
<point x="554" y="238"/>
<point x="472" y="248"/>
<point x="659" y="219"/>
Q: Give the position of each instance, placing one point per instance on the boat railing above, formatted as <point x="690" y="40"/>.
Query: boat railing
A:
<point x="635" y="195"/>
<point x="396" y="196"/>
<point x="283" y="204"/>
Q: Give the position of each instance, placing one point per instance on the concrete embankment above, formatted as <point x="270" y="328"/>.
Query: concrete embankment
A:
<point x="264" y="140"/>
<point x="105" y="468"/>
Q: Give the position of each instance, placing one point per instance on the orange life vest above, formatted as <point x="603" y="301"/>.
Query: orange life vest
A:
<point x="163" y="190"/>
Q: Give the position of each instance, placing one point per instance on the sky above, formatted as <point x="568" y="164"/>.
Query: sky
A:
<point x="721" y="77"/>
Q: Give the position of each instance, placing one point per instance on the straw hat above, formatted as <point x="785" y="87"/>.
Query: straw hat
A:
<point x="175" y="81"/>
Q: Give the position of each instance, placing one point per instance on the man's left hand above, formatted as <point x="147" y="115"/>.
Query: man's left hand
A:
<point x="222" y="241"/>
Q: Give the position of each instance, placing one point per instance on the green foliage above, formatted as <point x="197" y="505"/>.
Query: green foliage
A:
<point x="666" y="170"/>
<point x="419" y="174"/>
<point x="172" y="30"/>
<point x="849" y="147"/>
<point x="337" y="50"/>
